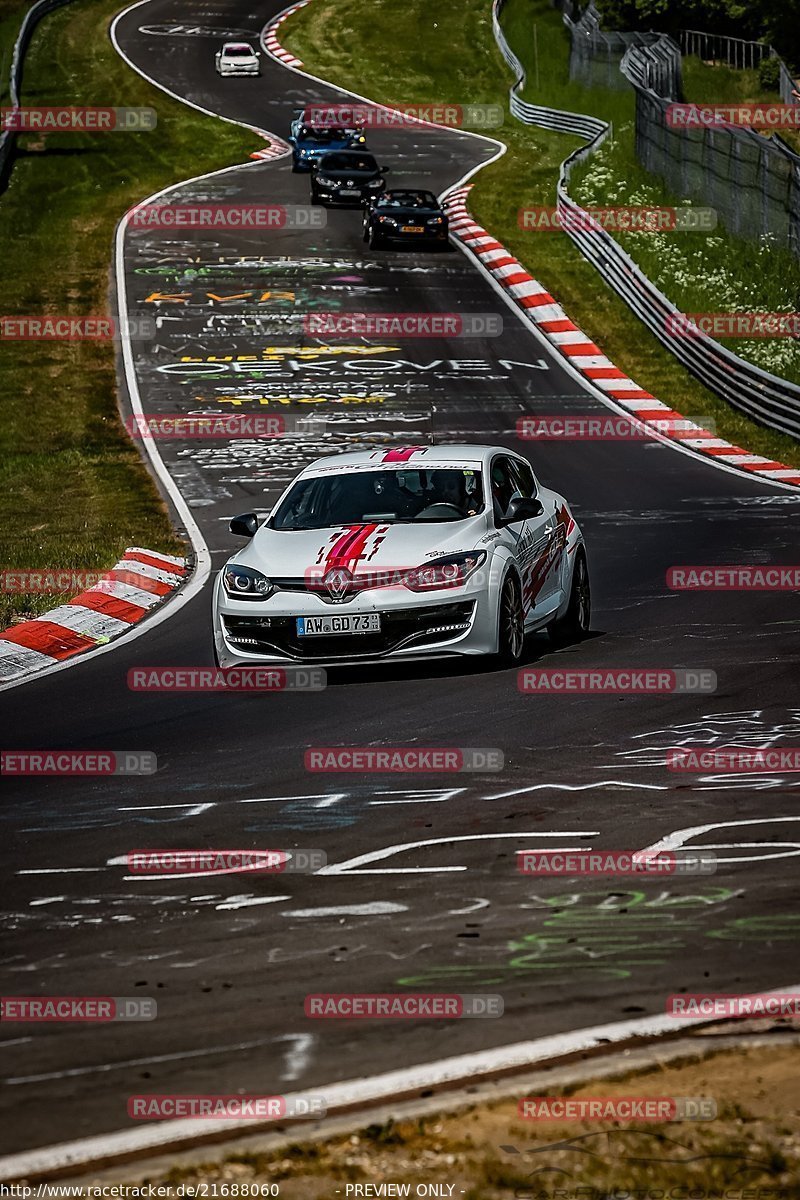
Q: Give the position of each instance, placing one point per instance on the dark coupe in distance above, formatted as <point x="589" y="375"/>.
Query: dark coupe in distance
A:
<point x="346" y="177"/>
<point x="407" y="215"/>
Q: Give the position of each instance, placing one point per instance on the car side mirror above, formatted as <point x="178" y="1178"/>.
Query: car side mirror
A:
<point x="245" y="525"/>
<point x="522" y="508"/>
<point x="385" y="169"/>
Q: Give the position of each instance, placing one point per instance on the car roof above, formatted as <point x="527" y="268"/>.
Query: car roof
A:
<point x="237" y="46"/>
<point x="411" y="457"/>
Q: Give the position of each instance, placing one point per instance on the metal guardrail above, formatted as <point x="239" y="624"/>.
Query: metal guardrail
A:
<point x="532" y="114"/>
<point x="751" y="179"/>
<point x="736" y="52"/>
<point x="741" y="54"/>
<point x="767" y="398"/>
<point x="29" y="22"/>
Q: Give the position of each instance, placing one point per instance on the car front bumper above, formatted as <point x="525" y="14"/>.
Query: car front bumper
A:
<point x="226" y="70"/>
<point x="396" y="235"/>
<point x="448" y="622"/>
<point x="333" y="196"/>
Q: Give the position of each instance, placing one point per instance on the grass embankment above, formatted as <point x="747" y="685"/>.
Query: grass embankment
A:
<point x="717" y="83"/>
<point x="750" y="1150"/>
<point x="73" y="489"/>
<point x="404" y="51"/>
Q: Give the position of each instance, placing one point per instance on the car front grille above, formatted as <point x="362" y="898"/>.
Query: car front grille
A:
<point x="399" y="628"/>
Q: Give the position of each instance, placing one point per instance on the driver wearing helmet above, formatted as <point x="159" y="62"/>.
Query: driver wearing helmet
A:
<point x="448" y="487"/>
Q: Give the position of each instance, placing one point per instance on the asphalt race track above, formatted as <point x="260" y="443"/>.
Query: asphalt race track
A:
<point x="230" y="959"/>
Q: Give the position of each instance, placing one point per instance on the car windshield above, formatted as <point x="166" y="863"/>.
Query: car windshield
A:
<point x="409" y="200"/>
<point x="239" y="51"/>
<point x="349" y="162"/>
<point x="390" y="497"/>
<point x="323" y="135"/>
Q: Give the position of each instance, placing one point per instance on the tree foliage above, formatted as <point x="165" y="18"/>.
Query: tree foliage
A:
<point x="774" y="21"/>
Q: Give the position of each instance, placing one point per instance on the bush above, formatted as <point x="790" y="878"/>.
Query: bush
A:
<point x="769" y="74"/>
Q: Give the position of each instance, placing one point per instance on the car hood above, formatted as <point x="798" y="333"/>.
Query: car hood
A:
<point x="324" y="147"/>
<point x="360" y="548"/>
<point x="345" y="173"/>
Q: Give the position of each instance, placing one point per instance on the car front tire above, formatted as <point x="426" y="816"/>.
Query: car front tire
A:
<point x="510" y="624"/>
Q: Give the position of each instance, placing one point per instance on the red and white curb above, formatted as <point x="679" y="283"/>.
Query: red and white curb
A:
<point x="139" y="582"/>
<point x="275" y="148"/>
<point x="588" y="359"/>
<point x="269" y="39"/>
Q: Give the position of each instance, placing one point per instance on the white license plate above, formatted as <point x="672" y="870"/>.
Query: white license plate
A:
<point x="344" y="623"/>
<point x="349" y="192"/>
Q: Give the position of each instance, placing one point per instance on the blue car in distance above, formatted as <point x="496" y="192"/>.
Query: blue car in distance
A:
<point x="309" y="142"/>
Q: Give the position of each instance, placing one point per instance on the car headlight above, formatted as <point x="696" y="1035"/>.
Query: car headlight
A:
<point x="375" y="183"/>
<point x="387" y="221"/>
<point x="451" y="571"/>
<point x="435" y="221"/>
<point x="326" y="182"/>
<point x="243" y="583"/>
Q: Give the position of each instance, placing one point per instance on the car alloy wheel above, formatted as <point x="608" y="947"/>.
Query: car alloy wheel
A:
<point x="511" y="623"/>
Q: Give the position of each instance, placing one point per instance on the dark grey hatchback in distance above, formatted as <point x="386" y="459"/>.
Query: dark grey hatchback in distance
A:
<point x="346" y="177"/>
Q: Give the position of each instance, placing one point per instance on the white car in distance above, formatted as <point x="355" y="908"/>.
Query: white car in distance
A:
<point x="237" y="58"/>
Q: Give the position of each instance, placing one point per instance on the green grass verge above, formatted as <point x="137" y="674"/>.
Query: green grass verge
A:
<point x="717" y="83"/>
<point x="73" y="488"/>
<point x="396" y="54"/>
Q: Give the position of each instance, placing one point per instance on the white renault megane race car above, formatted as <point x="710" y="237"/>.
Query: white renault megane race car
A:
<point x="419" y="552"/>
<point x="237" y="58"/>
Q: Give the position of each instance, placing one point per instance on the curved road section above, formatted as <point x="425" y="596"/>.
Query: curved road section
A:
<point x="421" y="890"/>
